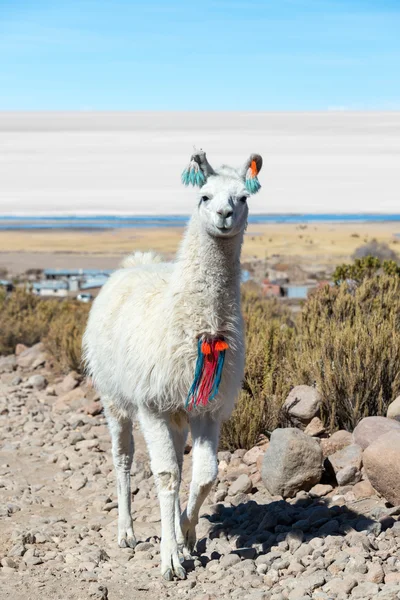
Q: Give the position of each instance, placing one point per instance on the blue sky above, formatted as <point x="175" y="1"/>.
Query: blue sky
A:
<point x="202" y="55"/>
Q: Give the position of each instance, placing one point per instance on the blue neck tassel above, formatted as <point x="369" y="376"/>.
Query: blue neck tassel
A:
<point x="197" y="375"/>
<point x="218" y="375"/>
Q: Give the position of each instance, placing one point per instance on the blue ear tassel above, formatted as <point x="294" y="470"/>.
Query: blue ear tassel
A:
<point x="252" y="184"/>
<point x="193" y="175"/>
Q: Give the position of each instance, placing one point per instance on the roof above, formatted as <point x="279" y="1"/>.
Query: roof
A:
<point x="50" y="285"/>
<point x="93" y="282"/>
<point x="76" y="272"/>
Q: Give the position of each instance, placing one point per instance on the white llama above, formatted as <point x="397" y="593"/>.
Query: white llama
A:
<point x="155" y="345"/>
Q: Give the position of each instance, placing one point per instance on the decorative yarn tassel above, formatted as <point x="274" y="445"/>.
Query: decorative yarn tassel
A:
<point x="208" y="372"/>
<point x="193" y="175"/>
<point x="251" y="181"/>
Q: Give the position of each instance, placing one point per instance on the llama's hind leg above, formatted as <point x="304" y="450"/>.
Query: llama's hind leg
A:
<point x="164" y="464"/>
<point x="205" y="434"/>
<point x="122" y="449"/>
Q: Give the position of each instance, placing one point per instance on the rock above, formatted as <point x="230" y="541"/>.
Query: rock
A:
<point x="370" y="428"/>
<point x="69" y="383"/>
<point x="302" y="404"/>
<point x="382" y="465"/>
<point x="77" y="481"/>
<point x="338" y="440"/>
<point x="319" y="490"/>
<point x="375" y="573"/>
<point x="19" y="348"/>
<point x="315" y="427"/>
<point x="8" y="562"/>
<point x="243" y="484"/>
<point x="252" y="455"/>
<point x="393" y="411"/>
<point x="73" y="400"/>
<point x="348" y="475"/>
<point x="38" y="382"/>
<point x="340" y="586"/>
<point x="365" y="590"/>
<point x="350" y="456"/>
<point x="292" y="462"/>
<point x="29" y="357"/>
<point x="16" y="380"/>
<point x="363" y="489"/>
<point x="94" y="408"/>
<point x="8" y="363"/>
<point x="229" y="560"/>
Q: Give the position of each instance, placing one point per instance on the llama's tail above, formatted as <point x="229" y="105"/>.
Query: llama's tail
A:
<point x="140" y="258"/>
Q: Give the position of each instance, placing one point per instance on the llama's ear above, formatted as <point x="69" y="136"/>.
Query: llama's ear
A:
<point x="250" y="172"/>
<point x="198" y="170"/>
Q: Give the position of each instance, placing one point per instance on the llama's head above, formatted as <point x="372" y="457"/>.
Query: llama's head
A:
<point x="223" y="193"/>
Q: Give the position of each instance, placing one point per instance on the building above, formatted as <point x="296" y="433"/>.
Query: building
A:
<point x="55" y="289"/>
<point x="271" y="290"/>
<point x="8" y="286"/>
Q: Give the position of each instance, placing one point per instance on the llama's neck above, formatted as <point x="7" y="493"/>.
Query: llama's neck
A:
<point x="206" y="278"/>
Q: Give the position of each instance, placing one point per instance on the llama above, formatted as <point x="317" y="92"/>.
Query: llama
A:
<point x="164" y="344"/>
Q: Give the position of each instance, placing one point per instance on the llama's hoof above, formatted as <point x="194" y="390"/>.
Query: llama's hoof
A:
<point x="169" y="573"/>
<point x="127" y="541"/>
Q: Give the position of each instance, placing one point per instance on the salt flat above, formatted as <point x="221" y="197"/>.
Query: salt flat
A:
<point x="131" y="162"/>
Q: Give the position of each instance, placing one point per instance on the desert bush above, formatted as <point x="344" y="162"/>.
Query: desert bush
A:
<point x="64" y="336"/>
<point x="363" y="268"/>
<point x="269" y="331"/>
<point x="379" y="250"/>
<point x="59" y="324"/>
<point x="347" y="343"/>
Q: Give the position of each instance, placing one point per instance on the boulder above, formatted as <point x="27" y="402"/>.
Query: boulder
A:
<point x="337" y="441"/>
<point x="32" y="357"/>
<point x="348" y="475"/>
<point x="292" y="462"/>
<point x="370" y="428"/>
<point x="19" y="348"/>
<point x="74" y="400"/>
<point x="8" y="363"/>
<point x="382" y="465"/>
<point x="302" y="404"/>
<point x="393" y="411"/>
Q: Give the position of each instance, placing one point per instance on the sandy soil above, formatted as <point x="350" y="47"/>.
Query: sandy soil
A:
<point x="323" y="244"/>
<point x="131" y="162"/>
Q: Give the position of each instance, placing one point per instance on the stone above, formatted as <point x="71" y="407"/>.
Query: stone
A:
<point x="8" y="562"/>
<point x="370" y="428"/>
<point x="242" y="485"/>
<point x="252" y="455"/>
<point x="302" y="404"/>
<point x="315" y="427"/>
<point x="348" y="475"/>
<point x="339" y="585"/>
<point x="72" y="400"/>
<point x="365" y="590"/>
<point x="338" y="440"/>
<point x="38" y="382"/>
<point x="19" y="348"/>
<point x="29" y="357"/>
<point x="69" y="383"/>
<point x="382" y="465"/>
<point x="229" y="560"/>
<point x="319" y="490"/>
<point x="8" y="363"/>
<point x="375" y="573"/>
<point x="363" y="489"/>
<point x="393" y="411"/>
<point x="350" y="456"/>
<point x="292" y="462"/>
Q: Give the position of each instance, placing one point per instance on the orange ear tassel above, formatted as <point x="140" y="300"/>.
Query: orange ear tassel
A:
<point x="221" y="345"/>
<point x="253" y="168"/>
<point x="206" y="348"/>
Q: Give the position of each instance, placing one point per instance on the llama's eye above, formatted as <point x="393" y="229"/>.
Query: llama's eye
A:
<point x="243" y="199"/>
<point x="204" y="198"/>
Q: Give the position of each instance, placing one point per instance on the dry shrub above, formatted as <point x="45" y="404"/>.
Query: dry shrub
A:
<point x="27" y="319"/>
<point x="347" y="342"/>
<point x="64" y="336"/>
<point x="266" y="382"/>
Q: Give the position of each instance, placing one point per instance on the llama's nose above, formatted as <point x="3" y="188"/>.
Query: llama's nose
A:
<point x="225" y="213"/>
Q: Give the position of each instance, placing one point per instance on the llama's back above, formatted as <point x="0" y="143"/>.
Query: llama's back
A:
<point x="116" y="344"/>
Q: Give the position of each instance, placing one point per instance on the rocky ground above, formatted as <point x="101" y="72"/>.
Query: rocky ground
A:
<point x="58" y="513"/>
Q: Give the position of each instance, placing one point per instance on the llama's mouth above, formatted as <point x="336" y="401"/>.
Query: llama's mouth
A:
<point x="224" y="228"/>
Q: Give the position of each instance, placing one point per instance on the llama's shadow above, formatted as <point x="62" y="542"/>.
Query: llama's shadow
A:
<point x="256" y="529"/>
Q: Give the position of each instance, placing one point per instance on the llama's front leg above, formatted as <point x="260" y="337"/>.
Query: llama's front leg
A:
<point x="205" y="434"/>
<point x="164" y="465"/>
<point x="122" y="450"/>
<point x="179" y="435"/>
